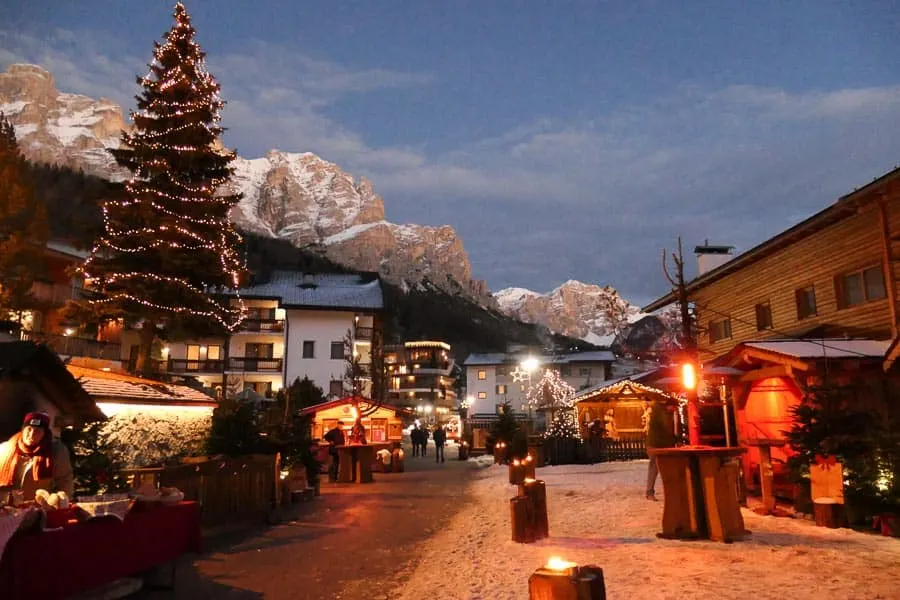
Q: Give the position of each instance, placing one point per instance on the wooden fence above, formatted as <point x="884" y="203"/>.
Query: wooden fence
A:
<point x="229" y="490"/>
<point x="565" y="452"/>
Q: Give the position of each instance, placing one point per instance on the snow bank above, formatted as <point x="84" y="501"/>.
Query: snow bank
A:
<point x="598" y="516"/>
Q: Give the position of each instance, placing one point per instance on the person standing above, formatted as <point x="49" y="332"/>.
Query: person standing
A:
<point x="440" y="438"/>
<point x="660" y="434"/>
<point x="335" y="438"/>
<point x="31" y="459"/>
<point x="423" y="440"/>
<point x="414" y="436"/>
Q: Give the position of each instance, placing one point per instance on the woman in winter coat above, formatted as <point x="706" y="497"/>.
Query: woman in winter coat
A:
<point x="32" y="460"/>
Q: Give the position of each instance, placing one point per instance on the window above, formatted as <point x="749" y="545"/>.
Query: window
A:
<point x="259" y="350"/>
<point x="337" y="350"/>
<point x="501" y="371"/>
<point x="584" y="371"/>
<point x="763" y="316"/>
<point x="565" y="371"/>
<point x="336" y="387"/>
<point x="482" y="395"/>
<point x="309" y="349"/>
<point x="214" y="352"/>
<point x="806" y="302"/>
<point x="501" y="390"/>
<point x="719" y="330"/>
<point x="861" y="286"/>
<point x="482" y="374"/>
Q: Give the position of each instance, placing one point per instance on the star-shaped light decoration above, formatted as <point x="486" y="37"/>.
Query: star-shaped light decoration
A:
<point x="519" y="375"/>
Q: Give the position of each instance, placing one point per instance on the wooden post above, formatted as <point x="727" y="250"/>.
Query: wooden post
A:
<point x="536" y="492"/>
<point x="827" y="514"/>
<point x="499" y="453"/>
<point x="520" y="470"/>
<point x="767" y="479"/>
<point x="397" y="462"/>
<point x="521" y="512"/>
<point x="569" y="583"/>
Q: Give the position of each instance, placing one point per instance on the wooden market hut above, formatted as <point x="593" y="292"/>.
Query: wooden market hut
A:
<point x="33" y="377"/>
<point x="384" y="424"/>
<point x="626" y="398"/>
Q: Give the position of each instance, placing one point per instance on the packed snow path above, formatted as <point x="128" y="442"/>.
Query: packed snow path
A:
<point x="598" y="515"/>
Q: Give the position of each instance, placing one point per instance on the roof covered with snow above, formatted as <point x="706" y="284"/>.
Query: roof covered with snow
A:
<point x="115" y="387"/>
<point x="501" y="358"/>
<point x="824" y="348"/>
<point x="294" y="289"/>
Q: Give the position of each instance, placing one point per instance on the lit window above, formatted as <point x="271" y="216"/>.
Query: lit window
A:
<point x="482" y="395"/>
<point x="482" y="374"/>
<point x="501" y="390"/>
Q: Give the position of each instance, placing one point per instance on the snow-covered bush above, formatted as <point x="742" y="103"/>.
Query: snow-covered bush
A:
<point x="140" y="439"/>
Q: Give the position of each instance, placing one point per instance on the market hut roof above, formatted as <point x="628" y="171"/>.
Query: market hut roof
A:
<point x="804" y="352"/>
<point x="44" y="368"/>
<point x="622" y="389"/>
<point x="311" y="410"/>
<point x="116" y="387"/>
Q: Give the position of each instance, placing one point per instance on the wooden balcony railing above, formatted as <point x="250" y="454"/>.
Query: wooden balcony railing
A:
<point x="182" y="365"/>
<point x="263" y="325"/>
<point x="363" y="333"/>
<point x="75" y="346"/>
<point x="256" y="365"/>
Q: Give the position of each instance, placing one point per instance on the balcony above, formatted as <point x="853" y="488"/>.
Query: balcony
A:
<point x="75" y="346"/>
<point x="182" y="365"/>
<point x="255" y="325"/>
<point x="363" y="333"/>
<point x="55" y="294"/>
<point x="255" y="365"/>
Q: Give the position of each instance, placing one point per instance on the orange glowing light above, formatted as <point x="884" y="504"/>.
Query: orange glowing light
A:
<point x="530" y="480"/>
<point x="688" y="376"/>
<point x="516" y="462"/>
<point x="557" y="564"/>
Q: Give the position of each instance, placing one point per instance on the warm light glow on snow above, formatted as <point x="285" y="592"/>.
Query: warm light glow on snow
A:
<point x="557" y="564"/>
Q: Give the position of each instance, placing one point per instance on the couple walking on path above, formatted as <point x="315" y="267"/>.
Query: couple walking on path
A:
<point x="419" y="437"/>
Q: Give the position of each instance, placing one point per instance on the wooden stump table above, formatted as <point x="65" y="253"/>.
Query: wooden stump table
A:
<point x="700" y="490"/>
<point x="356" y="463"/>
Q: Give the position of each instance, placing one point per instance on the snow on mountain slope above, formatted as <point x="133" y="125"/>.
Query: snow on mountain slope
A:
<point x="298" y="197"/>
<point x="580" y="310"/>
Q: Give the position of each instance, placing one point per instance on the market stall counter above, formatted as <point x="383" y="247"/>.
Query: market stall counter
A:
<point x="78" y="557"/>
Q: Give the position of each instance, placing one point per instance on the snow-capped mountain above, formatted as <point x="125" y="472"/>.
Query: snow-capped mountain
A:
<point x="297" y="197"/>
<point x="580" y="310"/>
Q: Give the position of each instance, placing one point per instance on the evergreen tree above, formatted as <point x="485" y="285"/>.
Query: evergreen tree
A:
<point x="23" y="228"/>
<point x="237" y="429"/>
<point x="93" y="461"/>
<point x="507" y="429"/>
<point x="303" y="393"/>
<point x="563" y="426"/>
<point x="168" y="249"/>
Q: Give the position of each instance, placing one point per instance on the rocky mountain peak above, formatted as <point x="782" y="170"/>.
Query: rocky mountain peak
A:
<point x="294" y="196"/>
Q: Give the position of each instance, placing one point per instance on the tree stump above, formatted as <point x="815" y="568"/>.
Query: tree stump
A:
<point x="827" y="513"/>
<point x="397" y="460"/>
<point x="521" y="512"/>
<point x="536" y="492"/>
<point x="499" y="453"/>
<point x="520" y="470"/>
<point x="576" y="583"/>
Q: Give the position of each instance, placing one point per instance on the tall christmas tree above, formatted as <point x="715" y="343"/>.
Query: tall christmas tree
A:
<point x="551" y="393"/>
<point x="168" y="250"/>
<point x="23" y="228"/>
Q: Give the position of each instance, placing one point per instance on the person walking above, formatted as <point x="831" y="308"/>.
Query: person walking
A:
<point x="423" y="440"/>
<point x="335" y="438"/>
<point x="660" y="434"/>
<point x="414" y="438"/>
<point x="440" y="438"/>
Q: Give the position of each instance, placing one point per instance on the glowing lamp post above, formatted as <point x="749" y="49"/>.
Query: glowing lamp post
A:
<point x="689" y="382"/>
<point x="563" y="580"/>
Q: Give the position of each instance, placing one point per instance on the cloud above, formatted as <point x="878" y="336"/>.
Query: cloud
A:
<point x="594" y="199"/>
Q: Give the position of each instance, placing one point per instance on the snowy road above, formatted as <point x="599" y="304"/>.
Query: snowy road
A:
<point x="598" y="516"/>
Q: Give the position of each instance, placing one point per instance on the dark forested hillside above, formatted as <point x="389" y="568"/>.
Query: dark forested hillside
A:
<point x="423" y="312"/>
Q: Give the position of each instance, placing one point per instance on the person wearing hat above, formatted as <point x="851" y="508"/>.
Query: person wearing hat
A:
<point x="32" y="460"/>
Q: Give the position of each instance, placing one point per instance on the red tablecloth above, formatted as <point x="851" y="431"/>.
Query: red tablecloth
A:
<point x="59" y="564"/>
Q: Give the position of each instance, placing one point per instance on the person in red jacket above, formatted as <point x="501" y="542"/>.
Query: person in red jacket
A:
<point x="31" y="460"/>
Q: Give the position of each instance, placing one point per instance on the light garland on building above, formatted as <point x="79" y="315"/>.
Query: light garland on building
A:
<point x="168" y="247"/>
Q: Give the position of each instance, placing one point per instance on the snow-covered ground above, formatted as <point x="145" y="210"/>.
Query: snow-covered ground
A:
<point x="598" y="516"/>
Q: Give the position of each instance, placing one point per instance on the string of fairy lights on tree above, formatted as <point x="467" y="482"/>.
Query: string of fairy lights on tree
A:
<point x="551" y="391"/>
<point x="563" y="426"/>
<point x="168" y="247"/>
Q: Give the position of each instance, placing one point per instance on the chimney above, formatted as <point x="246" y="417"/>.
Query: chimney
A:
<point x="711" y="257"/>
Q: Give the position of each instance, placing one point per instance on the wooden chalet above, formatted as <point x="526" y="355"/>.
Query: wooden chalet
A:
<point x="820" y="297"/>
<point x="626" y="398"/>
<point x="384" y="424"/>
<point x="32" y="377"/>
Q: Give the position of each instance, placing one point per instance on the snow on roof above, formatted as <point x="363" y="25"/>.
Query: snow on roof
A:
<point x="500" y="358"/>
<point x="105" y="386"/>
<point x="824" y="348"/>
<point x="634" y="378"/>
<point x="295" y="289"/>
<point x="67" y="249"/>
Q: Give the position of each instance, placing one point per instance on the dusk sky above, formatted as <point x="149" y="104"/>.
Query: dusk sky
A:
<point x="562" y="140"/>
